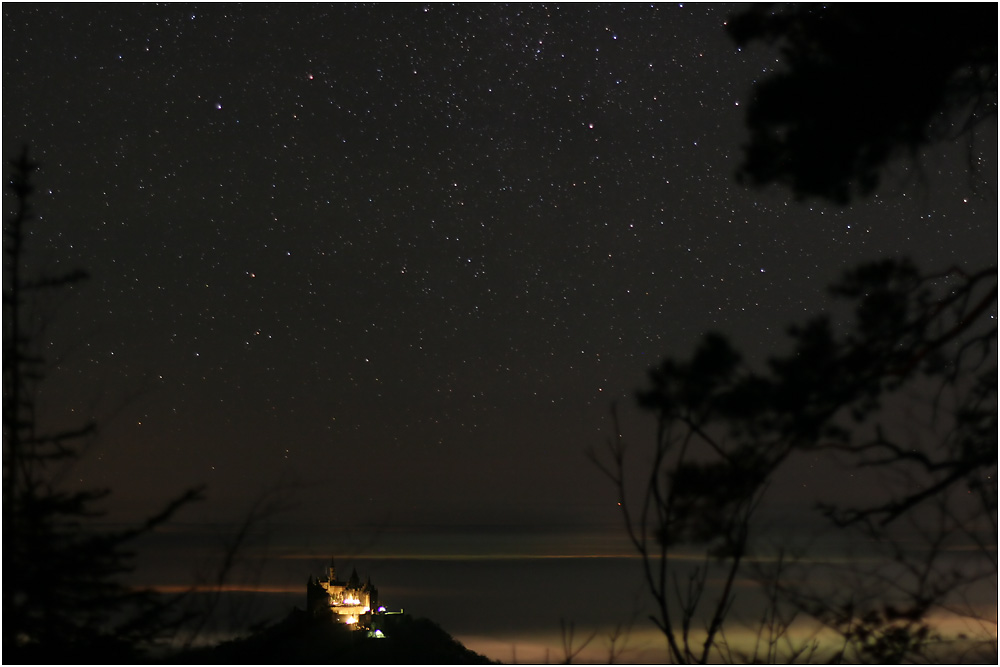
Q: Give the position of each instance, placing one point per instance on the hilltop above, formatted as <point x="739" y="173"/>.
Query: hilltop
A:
<point x="303" y="638"/>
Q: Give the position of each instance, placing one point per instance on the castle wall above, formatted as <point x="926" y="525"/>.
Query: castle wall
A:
<point x="350" y="602"/>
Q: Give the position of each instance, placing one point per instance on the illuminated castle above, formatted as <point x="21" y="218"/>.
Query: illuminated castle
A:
<point x="350" y="602"/>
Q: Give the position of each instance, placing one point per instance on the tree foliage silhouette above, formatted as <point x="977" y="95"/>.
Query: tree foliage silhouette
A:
<point x="861" y="85"/>
<point x="921" y="344"/>
<point x="62" y="599"/>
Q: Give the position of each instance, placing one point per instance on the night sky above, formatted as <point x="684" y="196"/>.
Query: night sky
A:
<point x="401" y="259"/>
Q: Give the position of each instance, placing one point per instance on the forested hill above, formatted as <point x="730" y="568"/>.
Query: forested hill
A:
<point x="304" y="639"/>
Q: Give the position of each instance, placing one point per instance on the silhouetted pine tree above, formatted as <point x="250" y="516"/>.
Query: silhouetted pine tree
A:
<point x="62" y="601"/>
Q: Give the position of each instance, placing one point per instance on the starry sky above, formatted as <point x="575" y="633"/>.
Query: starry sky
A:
<point x="401" y="259"/>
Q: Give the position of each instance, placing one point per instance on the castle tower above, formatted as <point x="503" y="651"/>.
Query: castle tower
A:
<point x="372" y="593"/>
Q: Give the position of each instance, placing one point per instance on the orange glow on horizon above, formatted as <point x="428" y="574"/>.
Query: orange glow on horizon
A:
<point x="225" y="588"/>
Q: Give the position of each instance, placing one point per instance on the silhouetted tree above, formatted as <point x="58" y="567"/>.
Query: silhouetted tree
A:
<point x="725" y="429"/>
<point x="62" y="600"/>
<point x="862" y="84"/>
<point x="697" y="492"/>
